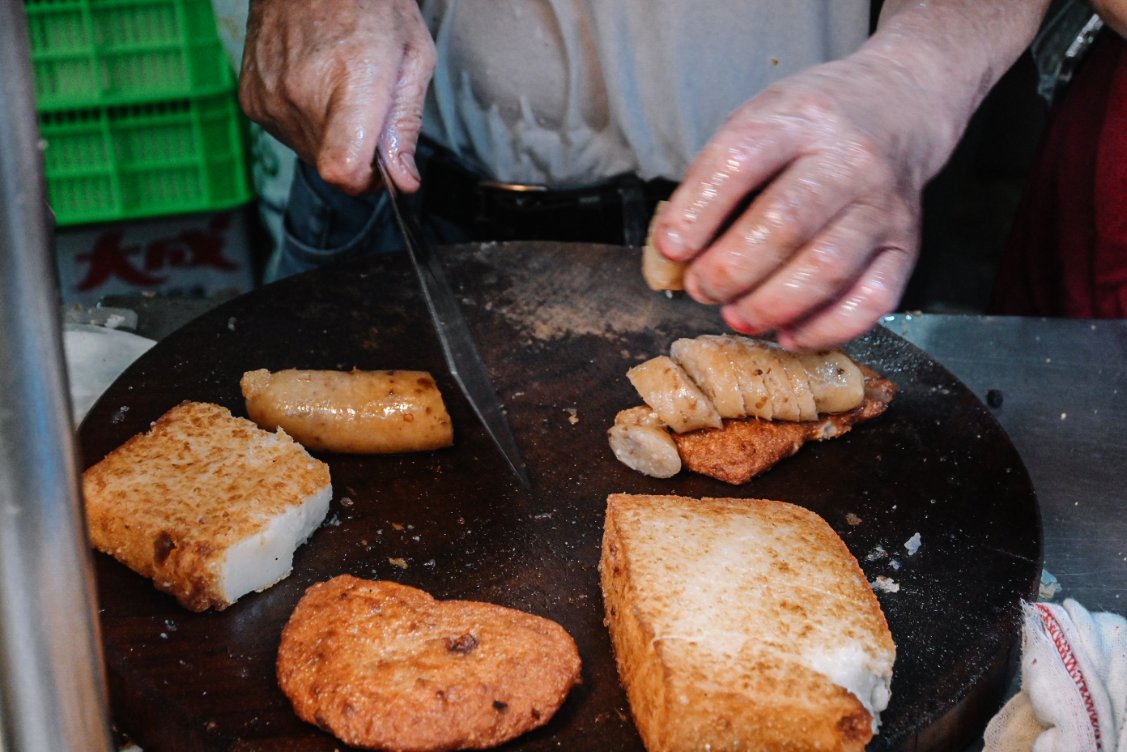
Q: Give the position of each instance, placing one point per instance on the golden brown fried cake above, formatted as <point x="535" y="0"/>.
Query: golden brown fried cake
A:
<point x="385" y="666"/>
<point x="207" y="505"/>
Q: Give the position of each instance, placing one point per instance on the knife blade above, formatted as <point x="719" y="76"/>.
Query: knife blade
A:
<point x="462" y="357"/>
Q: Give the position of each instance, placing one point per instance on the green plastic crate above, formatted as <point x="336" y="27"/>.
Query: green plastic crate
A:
<point x="145" y="160"/>
<point x="108" y="52"/>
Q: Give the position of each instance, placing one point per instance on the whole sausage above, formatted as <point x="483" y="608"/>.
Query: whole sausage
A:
<point x="357" y="412"/>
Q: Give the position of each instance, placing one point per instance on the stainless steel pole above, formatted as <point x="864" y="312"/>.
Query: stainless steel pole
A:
<point x="52" y="683"/>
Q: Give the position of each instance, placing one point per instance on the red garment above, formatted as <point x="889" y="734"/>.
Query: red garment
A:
<point x="1067" y="252"/>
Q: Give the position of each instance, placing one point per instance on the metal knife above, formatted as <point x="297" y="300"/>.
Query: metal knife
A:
<point x="462" y="357"/>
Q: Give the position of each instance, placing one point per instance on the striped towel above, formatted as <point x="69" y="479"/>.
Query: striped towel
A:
<point x="1073" y="694"/>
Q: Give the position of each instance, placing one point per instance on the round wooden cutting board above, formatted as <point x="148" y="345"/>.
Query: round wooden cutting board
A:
<point x="558" y="325"/>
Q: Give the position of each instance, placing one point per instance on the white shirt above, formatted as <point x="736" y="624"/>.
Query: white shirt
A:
<point x="568" y="92"/>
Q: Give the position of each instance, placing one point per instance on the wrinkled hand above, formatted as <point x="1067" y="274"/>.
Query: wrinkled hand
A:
<point x="841" y="153"/>
<point x="338" y="79"/>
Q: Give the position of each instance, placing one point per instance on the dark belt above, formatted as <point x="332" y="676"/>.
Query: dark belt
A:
<point x="616" y="211"/>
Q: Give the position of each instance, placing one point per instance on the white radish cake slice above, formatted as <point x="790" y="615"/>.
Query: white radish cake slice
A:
<point x="207" y="505"/>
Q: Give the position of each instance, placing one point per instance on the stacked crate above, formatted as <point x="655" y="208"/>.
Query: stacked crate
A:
<point x="137" y="109"/>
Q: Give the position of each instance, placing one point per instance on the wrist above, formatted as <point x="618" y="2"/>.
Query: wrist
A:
<point x="942" y="57"/>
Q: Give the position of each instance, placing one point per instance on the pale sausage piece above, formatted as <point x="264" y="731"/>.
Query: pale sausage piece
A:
<point x="650" y="450"/>
<point x="642" y="442"/>
<point x="659" y="272"/>
<point x="784" y="404"/>
<point x="836" y="381"/>
<point x="709" y="366"/>
<point x="756" y="398"/>
<point x="677" y="400"/>
<point x="799" y="383"/>
<point x="642" y="415"/>
<point x="359" y="412"/>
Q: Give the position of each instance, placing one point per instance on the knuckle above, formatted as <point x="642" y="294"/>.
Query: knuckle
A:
<point x="248" y="102"/>
<point x="337" y="173"/>
<point x="427" y="55"/>
<point x="778" y="226"/>
<point x="817" y="106"/>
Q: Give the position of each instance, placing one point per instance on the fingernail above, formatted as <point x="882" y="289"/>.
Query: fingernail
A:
<point x="738" y="323"/>
<point x="674" y="246"/>
<point x="407" y="160"/>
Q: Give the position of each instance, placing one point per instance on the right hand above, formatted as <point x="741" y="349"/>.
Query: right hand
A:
<point x="336" y="80"/>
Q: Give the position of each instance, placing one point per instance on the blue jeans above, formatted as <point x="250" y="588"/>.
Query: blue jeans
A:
<point x="324" y="225"/>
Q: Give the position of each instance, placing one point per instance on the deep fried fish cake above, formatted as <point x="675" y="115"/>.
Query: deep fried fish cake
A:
<point x="385" y="666"/>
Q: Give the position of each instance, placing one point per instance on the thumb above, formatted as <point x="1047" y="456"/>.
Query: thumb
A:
<point x="400" y="135"/>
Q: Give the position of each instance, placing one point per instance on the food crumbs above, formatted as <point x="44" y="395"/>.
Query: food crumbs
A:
<point x="885" y="584"/>
<point x="878" y="552"/>
<point x="852" y="519"/>
<point x="397" y="527"/>
<point x="572" y="415"/>
<point x="912" y="544"/>
<point x="397" y="562"/>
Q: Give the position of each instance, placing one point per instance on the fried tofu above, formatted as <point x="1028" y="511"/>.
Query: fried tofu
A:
<point x="742" y="624"/>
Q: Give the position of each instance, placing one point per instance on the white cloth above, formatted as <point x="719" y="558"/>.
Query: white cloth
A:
<point x="95" y="357"/>
<point x="1073" y="694"/>
<point x="569" y="92"/>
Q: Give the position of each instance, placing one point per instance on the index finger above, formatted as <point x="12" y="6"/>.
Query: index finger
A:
<point x="741" y="157"/>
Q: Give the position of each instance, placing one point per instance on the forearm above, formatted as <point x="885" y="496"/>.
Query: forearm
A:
<point x="955" y="50"/>
<point x="1113" y="13"/>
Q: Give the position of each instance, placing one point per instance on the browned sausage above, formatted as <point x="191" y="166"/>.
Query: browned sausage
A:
<point x="356" y="412"/>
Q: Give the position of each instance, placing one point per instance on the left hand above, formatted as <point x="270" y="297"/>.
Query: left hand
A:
<point x="826" y="248"/>
<point x="840" y="154"/>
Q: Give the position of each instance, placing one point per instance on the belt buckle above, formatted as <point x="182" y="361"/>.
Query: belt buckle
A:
<point x="497" y="185"/>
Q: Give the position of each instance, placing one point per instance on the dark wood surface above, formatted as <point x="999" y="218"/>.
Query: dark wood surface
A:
<point x="558" y="326"/>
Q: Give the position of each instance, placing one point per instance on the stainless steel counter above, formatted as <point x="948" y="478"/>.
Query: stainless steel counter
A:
<point x="1060" y="392"/>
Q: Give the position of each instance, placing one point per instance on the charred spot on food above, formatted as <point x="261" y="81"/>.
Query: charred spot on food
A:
<point x="500" y="707"/>
<point x="162" y="547"/>
<point x="463" y="644"/>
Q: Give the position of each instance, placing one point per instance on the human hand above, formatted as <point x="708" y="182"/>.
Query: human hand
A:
<point x="1113" y="13"/>
<point x="840" y="153"/>
<point x="338" y="79"/>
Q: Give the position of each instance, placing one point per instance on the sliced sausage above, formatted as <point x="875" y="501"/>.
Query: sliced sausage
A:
<point x="678" y="401"/>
